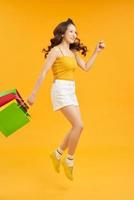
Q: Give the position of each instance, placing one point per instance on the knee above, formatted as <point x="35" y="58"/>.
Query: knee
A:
<point x="79" y="126"/>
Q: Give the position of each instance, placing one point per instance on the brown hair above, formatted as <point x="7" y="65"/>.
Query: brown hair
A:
<point x="58" y="32"/>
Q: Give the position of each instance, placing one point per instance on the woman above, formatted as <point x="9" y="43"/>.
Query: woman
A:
<point x="62" y="58"/>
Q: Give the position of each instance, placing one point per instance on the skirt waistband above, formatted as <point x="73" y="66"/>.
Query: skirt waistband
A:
<point x="63" y="80"/>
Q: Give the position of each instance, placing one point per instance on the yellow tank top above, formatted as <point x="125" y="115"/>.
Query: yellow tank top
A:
<point x="64" y="68"/>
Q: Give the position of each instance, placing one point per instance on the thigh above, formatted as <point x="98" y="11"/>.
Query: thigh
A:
<point x="72" y="113"/>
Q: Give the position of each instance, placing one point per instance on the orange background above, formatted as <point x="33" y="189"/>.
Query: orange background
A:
<point x="104" y="158"/>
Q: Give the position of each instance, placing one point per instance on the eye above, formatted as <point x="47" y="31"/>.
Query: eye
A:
<point x="75" y="32"/>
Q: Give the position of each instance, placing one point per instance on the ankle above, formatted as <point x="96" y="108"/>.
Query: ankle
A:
<point x="70" y="160"/>
<point x="58" y="153"/>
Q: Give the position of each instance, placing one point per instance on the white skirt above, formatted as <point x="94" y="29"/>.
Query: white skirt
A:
<point x="63" y="94"/>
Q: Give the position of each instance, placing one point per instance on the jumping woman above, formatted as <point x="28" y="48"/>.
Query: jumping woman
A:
<point x="61" y="56"/>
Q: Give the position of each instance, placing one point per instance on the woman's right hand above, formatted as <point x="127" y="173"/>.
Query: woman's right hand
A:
<point x="31" y="99"/>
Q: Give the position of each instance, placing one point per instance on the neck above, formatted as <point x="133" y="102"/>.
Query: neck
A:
<point x="65" y="45"/>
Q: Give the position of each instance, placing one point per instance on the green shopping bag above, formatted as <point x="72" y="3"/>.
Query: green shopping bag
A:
<point x="13" y="117"/>
<point x="14" y="91"/>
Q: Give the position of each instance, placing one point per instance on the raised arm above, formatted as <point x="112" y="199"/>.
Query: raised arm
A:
<point x="46" y="67"/>
<point x="87" y="65"/>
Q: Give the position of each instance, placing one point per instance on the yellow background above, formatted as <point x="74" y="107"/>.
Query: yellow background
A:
<point x="104" y="157"/>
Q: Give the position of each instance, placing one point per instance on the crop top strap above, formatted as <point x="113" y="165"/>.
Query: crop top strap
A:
<point x="61" y="51"/>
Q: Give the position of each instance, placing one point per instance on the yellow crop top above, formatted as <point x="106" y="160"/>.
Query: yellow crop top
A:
<point x="64" y="68"/>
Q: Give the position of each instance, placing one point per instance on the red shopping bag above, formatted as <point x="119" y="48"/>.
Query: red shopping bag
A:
<point x="6" y="99"/>
<point x="9" y="95"/>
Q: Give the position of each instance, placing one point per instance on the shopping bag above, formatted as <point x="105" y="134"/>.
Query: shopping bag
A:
<point x="13" y="117"/>
<point x="3" y="93"/>
<point x="8" y="95"/>
<point x="7" y="98"/>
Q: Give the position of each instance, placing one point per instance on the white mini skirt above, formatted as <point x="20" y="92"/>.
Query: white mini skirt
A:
<point x="63" y="93"/>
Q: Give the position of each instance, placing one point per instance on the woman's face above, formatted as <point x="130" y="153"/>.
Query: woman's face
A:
<point x="70" y="34"/>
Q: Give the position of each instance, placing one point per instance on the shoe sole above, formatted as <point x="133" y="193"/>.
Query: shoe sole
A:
<point x="64" y="167"/>
<point x="57" y="170"/>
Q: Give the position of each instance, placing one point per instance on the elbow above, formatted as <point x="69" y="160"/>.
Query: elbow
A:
<point x="85" y="68"/>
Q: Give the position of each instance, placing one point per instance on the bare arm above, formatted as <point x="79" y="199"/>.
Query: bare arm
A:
<point x="46" y="67"/>
<point x="87" y="65"/>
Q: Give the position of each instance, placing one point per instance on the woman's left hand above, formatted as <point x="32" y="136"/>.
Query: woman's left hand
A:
<point x="100" y="46"/>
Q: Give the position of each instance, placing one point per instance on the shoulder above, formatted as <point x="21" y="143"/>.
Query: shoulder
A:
<point x="53" y="52"/>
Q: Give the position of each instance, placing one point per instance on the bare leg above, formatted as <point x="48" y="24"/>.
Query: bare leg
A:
<point x="73" y="140"/>
<point x="72" y="113"/>
<point x="64" y="144"/>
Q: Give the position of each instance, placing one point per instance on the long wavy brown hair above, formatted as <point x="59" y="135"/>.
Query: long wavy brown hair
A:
<point x="57" y="39"/>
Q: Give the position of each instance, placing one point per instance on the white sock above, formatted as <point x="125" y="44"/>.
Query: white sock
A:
<point x="58" y="153"/>
<point x="70" y="160"/>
